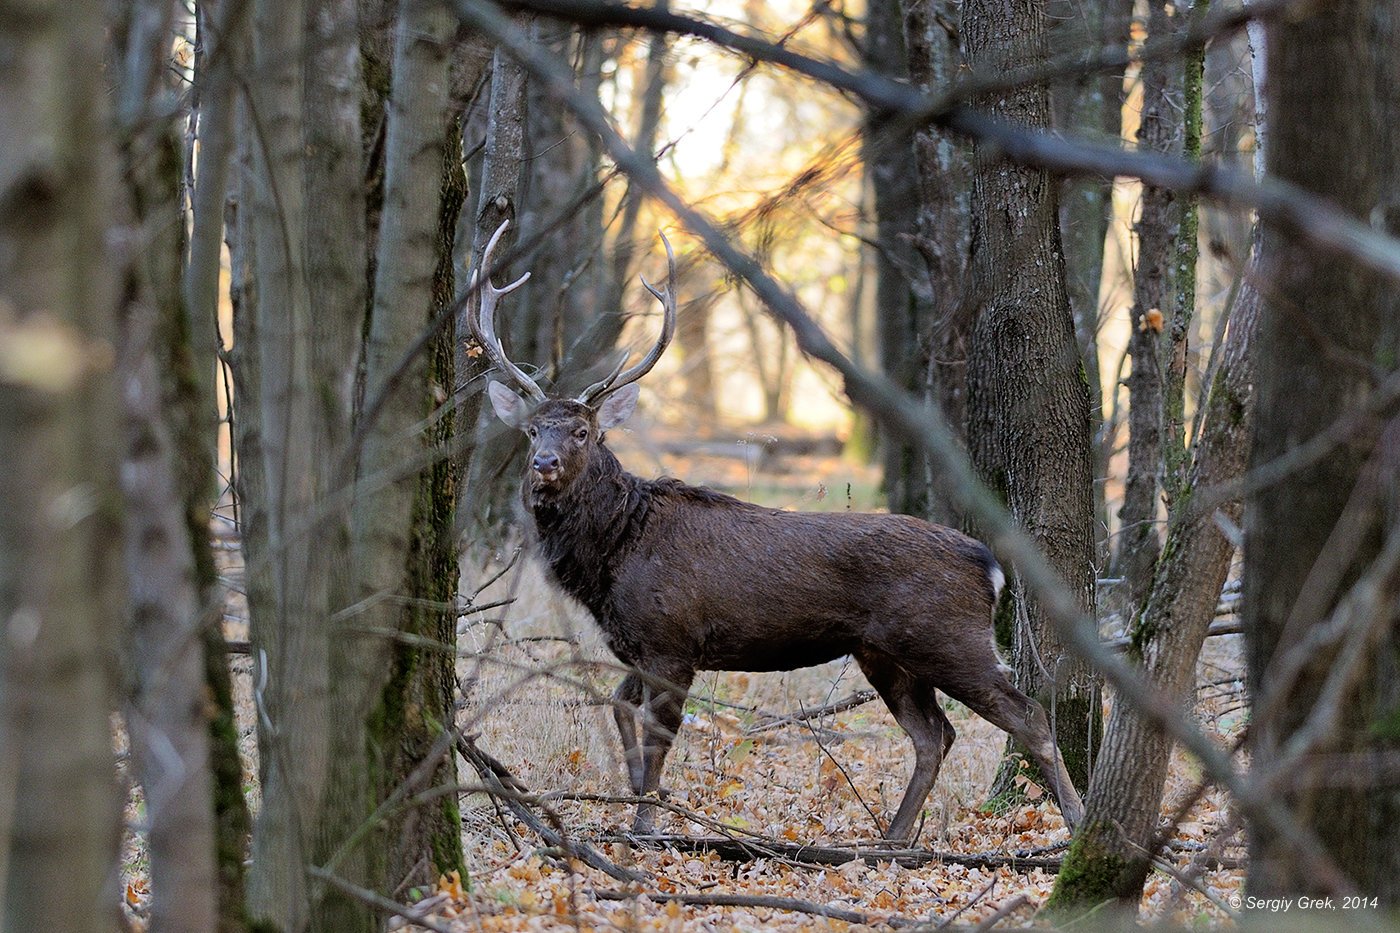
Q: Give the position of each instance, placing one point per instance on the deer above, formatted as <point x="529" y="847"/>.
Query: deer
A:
<point x="682" y="579"/>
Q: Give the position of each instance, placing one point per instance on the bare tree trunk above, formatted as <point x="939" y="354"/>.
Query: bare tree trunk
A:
<point x="59" y="574"/>
<point x="1110" y="857"/>
<point x="166" y="491"/>
<point x="1165" y="221"/>
<point x="165" y="713"/>
<point x="292" y="641"/>
<point x="1089" y="105"/>
<point x="497" y="200"/>
<point x="942" y="234"/>
<point x="902" y="311"/>
<point x="193" y="354"/>
<point x="1322" y="545"/>
<point x="1028" y="404"/>
<point x="397" y="541"/>
<point x="698" y="282"/>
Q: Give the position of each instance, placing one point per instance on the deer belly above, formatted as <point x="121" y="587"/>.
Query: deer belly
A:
<point x="771" y="651"/>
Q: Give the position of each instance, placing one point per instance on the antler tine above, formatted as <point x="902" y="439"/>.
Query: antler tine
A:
<point x="595" y="393"/>
<point x="483" y="324"/>
<point x="603" y="384"/>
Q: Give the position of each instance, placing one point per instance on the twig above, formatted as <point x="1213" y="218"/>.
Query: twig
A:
<point x="377" y="901"/>
<point x="509" y="789"/>
<point x="1017" y="902"/>
<point x="755" y="900"/>
<point x="744" y="850"/>
<point x="773" y="721"/>
<point x="951" y="918"/>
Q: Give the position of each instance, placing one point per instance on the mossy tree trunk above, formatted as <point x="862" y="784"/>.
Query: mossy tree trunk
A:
<point x="1110" y="857"/>
<point x="404" y="558"/>
<point x="1028" y="402"/>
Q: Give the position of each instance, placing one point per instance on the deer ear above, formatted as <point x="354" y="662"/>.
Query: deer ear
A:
<point x="618" y="407"/>
<point x="509" y="407"/>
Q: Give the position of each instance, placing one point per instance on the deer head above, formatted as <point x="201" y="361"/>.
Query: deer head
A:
<point x="563" y="432"/>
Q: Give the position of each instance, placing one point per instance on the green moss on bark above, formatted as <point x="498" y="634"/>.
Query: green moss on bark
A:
<point x="1093" y="878"/>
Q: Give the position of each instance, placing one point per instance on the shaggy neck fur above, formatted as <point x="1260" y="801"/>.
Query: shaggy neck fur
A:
<point x="586" y="526"/>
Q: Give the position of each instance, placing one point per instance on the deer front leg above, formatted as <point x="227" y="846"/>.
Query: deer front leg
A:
<point x="627" y="704"/>
<point x="662" y="709"/>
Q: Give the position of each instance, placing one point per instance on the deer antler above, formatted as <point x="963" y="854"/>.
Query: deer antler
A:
<point x="617" y="379"/>
<point x="483" y="323"/>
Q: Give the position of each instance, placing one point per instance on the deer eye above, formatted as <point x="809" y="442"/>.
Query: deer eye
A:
<point x="532" y="432"/>
<point x="581" y="434"/>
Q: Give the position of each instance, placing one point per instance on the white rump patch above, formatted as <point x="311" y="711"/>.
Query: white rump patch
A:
<point x="998" y="582"/>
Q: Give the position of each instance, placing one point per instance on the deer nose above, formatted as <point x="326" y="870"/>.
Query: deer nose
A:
<point x="546" y="462"/>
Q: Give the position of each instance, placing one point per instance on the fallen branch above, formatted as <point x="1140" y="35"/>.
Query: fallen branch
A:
<point x="1005" y="910"/>
<point x="508" y="789"/>
<point x="773" y="721"/>
<point x="742" y="850"/>
<point x="377" y="901"/>
<point x="756" y="900"/>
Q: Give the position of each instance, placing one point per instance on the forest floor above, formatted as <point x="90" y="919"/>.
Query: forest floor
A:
<point x="747" y="766"/>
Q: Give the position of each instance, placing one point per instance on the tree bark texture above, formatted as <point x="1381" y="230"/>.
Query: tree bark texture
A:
<point x="902" y="313"/>
<point x="941" y="237"/>
<point x="292" y="640"/>
<point x="497" y="197"/>
<point x="1109" y="859"/>
<point x="1138" y="544"/>
<point x="166" y="478"/>
<point x="1089" y="105"/>
<point x="402" y="516"/>
<point x="1322" y="553"/>
<point x="1028" y="402"/>
<point x="192" y="346"/>
<point x="60" y="578"/>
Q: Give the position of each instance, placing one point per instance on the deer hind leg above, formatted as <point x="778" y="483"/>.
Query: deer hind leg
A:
<point x="663" y="706"/>
<point x="999" y="702"/>
<point x="914" y="705"/>
<point x="627" y="704"/>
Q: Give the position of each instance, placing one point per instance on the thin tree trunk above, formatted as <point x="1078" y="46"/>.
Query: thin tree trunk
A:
<point x="192" y="352"/>
<point x="165" y="712"/>
<point x="1110" y="856"/>
<point x="59" y="574"/>
<point x="1028" y="404"/>
<point x="942" y="234"/>
<point x="292" y="643"/>
<point x="1091" y="105"/>
<point x="497" y="200"/>
<point x="902" y="312"/>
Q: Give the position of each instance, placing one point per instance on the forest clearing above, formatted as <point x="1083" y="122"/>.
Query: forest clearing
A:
<point x="491" y="465"/>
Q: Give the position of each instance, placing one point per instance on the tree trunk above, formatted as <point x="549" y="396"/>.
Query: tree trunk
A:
<point x="389" y="686"/>
<point x="1110" y="856"/>
<point x="1322" y="548"/>
<point x="942" y="235"/>
<point x="192" y="353"/>
<point x="59" y="574"/>
<point x="497" y="199"/>
<point x="903" y="315"/>
<point x="165" y="478"/>
<point x="1090" y="105"/>
<point x="1028" y="403"/>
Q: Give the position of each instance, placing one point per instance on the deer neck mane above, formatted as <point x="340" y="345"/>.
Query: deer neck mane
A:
<point x="585" y="527"/>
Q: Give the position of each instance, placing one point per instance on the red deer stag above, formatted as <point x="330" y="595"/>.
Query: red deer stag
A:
<point x="682" y="579"/>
